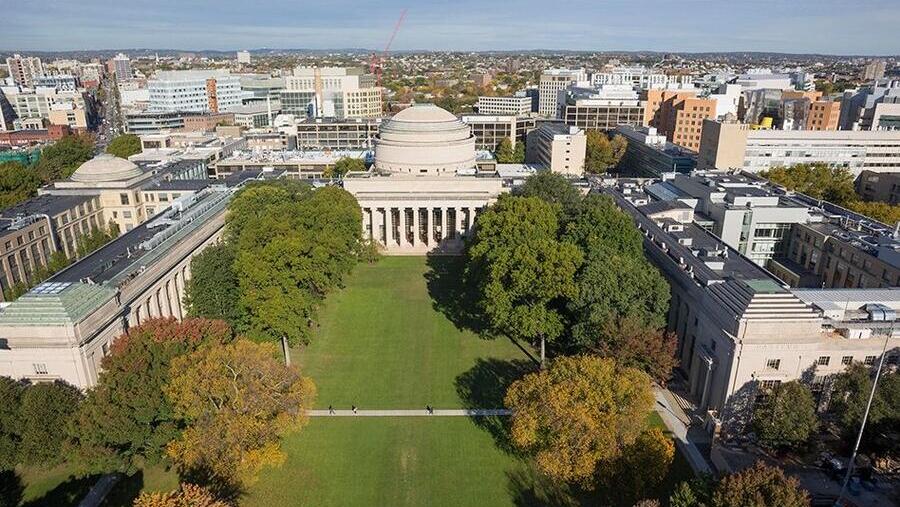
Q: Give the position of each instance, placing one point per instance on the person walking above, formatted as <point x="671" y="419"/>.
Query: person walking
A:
<point x="353" y="408"/>
<point x="330" y="410"/>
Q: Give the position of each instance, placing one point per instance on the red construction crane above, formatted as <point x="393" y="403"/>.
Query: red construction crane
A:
<point x="377" y="61"/>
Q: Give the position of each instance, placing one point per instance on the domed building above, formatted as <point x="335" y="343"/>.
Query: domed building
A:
<point x="424" y="192"/>
<point x="424" y="139"/>
<point x="106" y="168"/>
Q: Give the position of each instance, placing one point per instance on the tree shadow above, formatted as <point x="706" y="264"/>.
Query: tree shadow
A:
<point x="11" y="488"/>
<point x="126" y="490"/>
<point x="452" y="295"/>
<point x="65" y="494"/>
<point x="222" y="488"/>
<point x="484" y="386"/>
<point x="529" y="488"/>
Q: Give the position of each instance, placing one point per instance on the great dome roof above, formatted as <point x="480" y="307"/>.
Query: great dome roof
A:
<point x="424" y="113"/>
<point x="424" y="139"/>
<point x="104" y="168"/>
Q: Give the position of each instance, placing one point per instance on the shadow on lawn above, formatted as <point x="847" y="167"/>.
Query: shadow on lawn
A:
<point x="484" y="386"/>
<point x="74" y="489"/>
<point x="451" y="295"/>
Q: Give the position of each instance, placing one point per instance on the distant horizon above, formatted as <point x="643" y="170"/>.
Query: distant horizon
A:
<point x="865" y="28"/>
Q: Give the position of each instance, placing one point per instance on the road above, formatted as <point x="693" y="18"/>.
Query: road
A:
<point x="111" y="123"/>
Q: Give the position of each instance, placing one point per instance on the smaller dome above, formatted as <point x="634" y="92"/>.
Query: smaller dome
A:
<point x="106" y="167"/>
<point x="424" y="113"/>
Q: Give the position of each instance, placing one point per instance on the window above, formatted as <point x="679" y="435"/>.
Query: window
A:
<point x="123" y="198"/>
<point x="126" y="214"/>
<point x="768" y="385"/>
<point x="846" y="360"/>
<point x="869" y="361"/>
<point x="773" y="364"/>
<point x="823" y="360"/>
<point x="40" y="368"/>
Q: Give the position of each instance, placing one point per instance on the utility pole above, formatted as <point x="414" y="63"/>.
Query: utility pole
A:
<point x="286" y="349"/>
<point x="862" y="427"/>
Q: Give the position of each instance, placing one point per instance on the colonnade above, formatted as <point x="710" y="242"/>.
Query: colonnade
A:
<point x="418" y="227"/>
<point x="164" y="299"/>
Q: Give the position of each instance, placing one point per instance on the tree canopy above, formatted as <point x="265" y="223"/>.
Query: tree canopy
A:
<point x="602" y="153"/>
<point x="124" y="146"/>
<point x="127" y="416"/>
<point x="579" y="412"/>
<point x="213" y="291"/>
<point x="187" y="495"/>
<point x="17" y="183"/>
<point x="59" y="160"/>
<point x="849" y="395"/>
<point x="817" y="180"/>
<point x="505" y="153"/>
<point x="641" y="467"/>
<point x="521" y="268"/>
<point x="10" y="422"/>
<point x="787" y="417"/>
<point x="759" y="486"/>
<point x="46" y="410"/>
<point x="345" y="165"/>
<point x="553" y="188"/>
<point x="237" y="400"/>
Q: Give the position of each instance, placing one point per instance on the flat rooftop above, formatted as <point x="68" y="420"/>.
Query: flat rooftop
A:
<point x="45" y="204"/>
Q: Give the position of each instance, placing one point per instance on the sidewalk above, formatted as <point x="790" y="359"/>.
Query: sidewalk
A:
<point x="674" y="419"/>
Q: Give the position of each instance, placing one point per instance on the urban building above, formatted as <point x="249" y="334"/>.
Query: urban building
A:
<point x="763" y="79"/>
<point x="59" y="82"/>
<point x="254" y="116"/>
<point x="824" y="115"/>
<point x="30" y="137"/>
<point x="557" y="147"/>
<point x="602" y="108"/>
<point x="639" y="77"/>
<point x="24" y="69"/>
<point x="7" y="113"/>
<point x="261" y="89"/>
<point x="194" y="91"/>
<point x="331" y="92"/>
<point x="858" y="107"/>
<point x="490" y="131"/>
<point x="153" y="122"/>
<point x="33" y="107"/>
<point x="873" y="70"/>
<point x="243" y="57"/>
<point x="679" y="115"/>
<point x="649" y="154"/>
<point x="741" y="331"/>
<point x="120" y="67"/>
<point x="517" y="105"/>
<point x="730" y="145"/>
<point x="334" y="134"/>
<point x="553" y="81"/>
<point x="875" y="186"/>
<point x="294" y="164"/>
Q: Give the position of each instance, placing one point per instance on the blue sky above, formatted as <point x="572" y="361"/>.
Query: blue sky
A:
<point x="820" y="26"/>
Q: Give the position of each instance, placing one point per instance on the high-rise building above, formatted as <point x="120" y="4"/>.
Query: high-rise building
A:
<point x="194" y="90"/>
<point x="873" y="70"/>
<point x="243" y="57"/>
<point x="558" y="147"/>
<point x="331" y="92"/>
<point x="823" y="115"/>
<point x="552" y="82"/>
<point x="517" y="105"/>
<point x="679" y="115"/>
<point x="121" y="67"/>
<point x="865" y="108"/>
<point x="24" y="69"/>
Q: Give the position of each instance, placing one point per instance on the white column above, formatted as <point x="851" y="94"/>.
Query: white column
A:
<point x="457" y="219"/>
<point x="179" y="290"/>
<point x="403" y="227"/>
<point x="444" y="234"/>
<point x="429" y="220"/>
<point x="389" y="227"/>
<point x="415" y="234"/>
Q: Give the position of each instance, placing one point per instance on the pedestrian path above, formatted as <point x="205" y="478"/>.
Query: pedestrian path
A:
<point x="476" y="412"/>
<point x="674" y="419"/>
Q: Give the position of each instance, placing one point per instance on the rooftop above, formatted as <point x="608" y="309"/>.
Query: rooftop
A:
<point x="43" y="205"/>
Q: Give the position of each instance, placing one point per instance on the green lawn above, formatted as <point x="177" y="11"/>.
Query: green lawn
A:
<point x="382" y="344"/>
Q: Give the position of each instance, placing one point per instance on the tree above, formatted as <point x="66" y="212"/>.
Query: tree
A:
<point x="687" y="494"/>
<point x="883" y="212"/>
<point x="603" y="153"/>
<point x="850" y="393"/>
<point x="817" y="180"/>
<point x="505" y="153"/>
<point x="577" y="413"/>
<point x="238" y="401"/>
<point x="759" y="486"/>
<point x="10" y="422"/>
<point x="17" y="183"/>
<point x="553" y="188"/>
<point x="213" y="291"/>
<point x="519" y="153"/>
<point x="126" y="418"/>
<point x="60" y="160"/>
<point x="787" y="417"/>
<point x="598" y="224"/>
<point x="521" y="269"/>
<point x="46" y="410"/>
<point x="187" y="495"/>
<point x="96" y="239"/>
<point x="124" y="146"/>
<point x="641" y="467"/>
<point x="343" y="166"/>
<point x="632" y="343"/>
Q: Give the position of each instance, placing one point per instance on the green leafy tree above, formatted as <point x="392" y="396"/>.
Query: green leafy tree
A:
<point x="124" y="146"/>
<point x="96" y="239"/>
<point x="555" y="189"/>
<point x="59" y="160"/>
<point x="521" y="269"/>
<point x="238" y="401"/>
<point x="126" y="420"/>
<point x="883" y="212"/>
<point x="641" y="467"/>
<point x="759" y="486"/>
<point x="817" y="180"/>
<point x="599" y="224"/>
<point x="505" y="153"/>
<point x="849" y="395"/>
<point x="213" y="292"/>
<point x="46" y="409"/>
<point x="694" y="493"/>
<point x="787" y="418"/>
<point x="10" y="422"/>
<point x="578" y="414"/>
<point x="519" y="153"/>
<point x="17" y="183"/>
<point x="343" y="166"/>
<point x="602" y="153"/>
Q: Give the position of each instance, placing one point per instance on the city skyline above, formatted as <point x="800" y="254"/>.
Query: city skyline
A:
<point x="701" y="26"/>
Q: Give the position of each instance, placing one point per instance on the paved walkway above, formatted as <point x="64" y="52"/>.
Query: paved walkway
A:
<point x="478" y="412"/>
<point x="674" y="418"/>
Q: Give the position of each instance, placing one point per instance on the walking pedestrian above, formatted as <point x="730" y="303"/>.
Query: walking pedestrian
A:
<point x="353" y="408"/>
<point x="330" y="410"/>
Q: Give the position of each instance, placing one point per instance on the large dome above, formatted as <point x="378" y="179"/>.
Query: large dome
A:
<point x="104" y="168"/>
<point x="424" y="139"/>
